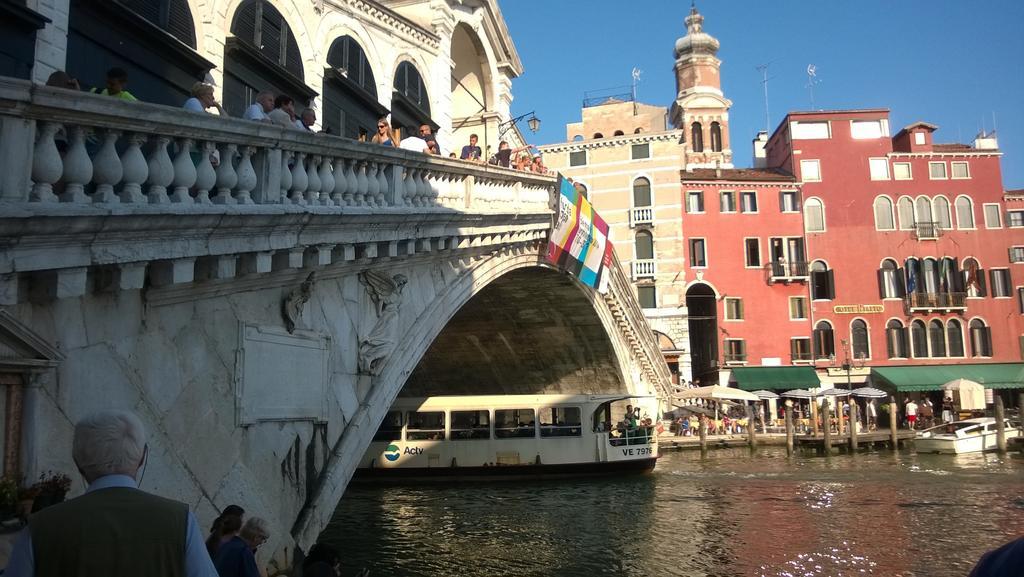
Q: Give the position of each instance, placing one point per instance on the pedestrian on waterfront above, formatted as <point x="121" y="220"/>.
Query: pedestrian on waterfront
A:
<point x="872" y="415"/>
<point x="947" y="411"/>
<point x="223" y="529"/>
<point x="283" y="113"/>
<point x="117" y="85"/>
<point x="203" y="99"/>
<point x="114" y="529"/>
<point x="427" y="134"/>
<point x="259" y="109"/>
<point x="237" y="557"/>
<point x="306" y="120"/>
<point x="385" y="135"/>
<point x="911" y="414"/>
<point x="471" y="151"/>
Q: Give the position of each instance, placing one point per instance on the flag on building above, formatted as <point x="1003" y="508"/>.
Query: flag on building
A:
<point x="579" y="241"/>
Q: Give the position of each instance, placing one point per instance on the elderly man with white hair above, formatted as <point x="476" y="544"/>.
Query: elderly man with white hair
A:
<point x="114" y="528"/>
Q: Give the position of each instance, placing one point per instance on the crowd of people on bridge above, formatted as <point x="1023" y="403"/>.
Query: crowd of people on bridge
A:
<point x="116" y="529"/>
<point x="279" y="109"/>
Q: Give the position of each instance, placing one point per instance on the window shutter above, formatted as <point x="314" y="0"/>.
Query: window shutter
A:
<point x="981" y="283"/>
<point x="831" y="289"/>
<point x="986" y="334"/>
<point x="743" y="350"/>
<point x="830" y="344"/>
<point x="792" y="349"/>
<point x="901" y="283"/>
<point x="890" y="342"/>
<point x="881" y="285"/>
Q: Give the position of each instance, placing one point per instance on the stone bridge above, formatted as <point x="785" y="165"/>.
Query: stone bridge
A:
<point x="261" y="296"/>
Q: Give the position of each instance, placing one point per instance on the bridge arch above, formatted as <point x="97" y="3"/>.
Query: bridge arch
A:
<point x="490" y="278"/>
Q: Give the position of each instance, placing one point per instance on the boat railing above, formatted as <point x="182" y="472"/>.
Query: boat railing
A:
<point x="570" y="430"/>
<point x="637" y="436"/>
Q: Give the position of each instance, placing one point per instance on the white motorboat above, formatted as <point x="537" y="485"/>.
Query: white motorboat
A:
<point x="968" y="436"/>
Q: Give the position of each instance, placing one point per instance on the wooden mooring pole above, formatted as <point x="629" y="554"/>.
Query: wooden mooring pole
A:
<point x="826" y="425"/>
<point x="1000" y="424"/>
<point x="789" y="430"/>
<point x="703" y="434"/>
<point x="894" y="433"/>
<point x="751" y="435"/>
<point x="853" y="425"/>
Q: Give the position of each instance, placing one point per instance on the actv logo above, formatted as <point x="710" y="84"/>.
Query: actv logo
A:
<point x="392" y="453"/>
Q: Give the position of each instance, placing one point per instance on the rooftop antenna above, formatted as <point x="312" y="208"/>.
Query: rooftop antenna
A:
<point x="812" y="79"/>
<point x="636" y="81"/>
<point x="763" y="69"/>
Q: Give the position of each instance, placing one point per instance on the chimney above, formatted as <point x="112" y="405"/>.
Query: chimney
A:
<point x="986" y="141"/>
<point x="760" y="154"/>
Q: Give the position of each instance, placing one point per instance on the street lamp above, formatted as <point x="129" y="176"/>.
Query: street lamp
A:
<point x="533" y="123"/>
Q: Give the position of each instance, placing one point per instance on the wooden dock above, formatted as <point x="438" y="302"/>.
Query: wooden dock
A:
<point x="880" y="438"/>
<point x="867" y="439"/>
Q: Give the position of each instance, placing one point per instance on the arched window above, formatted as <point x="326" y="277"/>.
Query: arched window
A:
<point x="641" y="192"/>
<point x="598" y="135"/>
<point x="949" y="278"/>
<point x="696" y="137"/>
<point x="955" y="338"/>
<point x="577" y="138"/>
<point x="905" y="207"/>
<point x="896" y="340"/>
<point x="716" y="137"/>
<point x="409" y="83"/>
<point x="859" y="339"/>
<point x="923" y="212"/>
<point x="644" y="245"/>
<point x="883" y="214"/>
<point x="940" y="210"/>
<point x="824" y="340"/>
<point x="638" y="130"/>
<point x="937" y="338"/>
<point x="914" y="281"/>
<point x="261" y="26"/>
<point x="347" y="54"/>
<point x="619" y="133"/>
<point x="173" y="16"/>
<point x="930" y="275"/>
<point x="981" y="339"/>
<point x="889" y="285"/>
<point x="823" y="284"/>
<point x="974" y="278"/>
<point x="814" y="215"/>
<point x="964" y="212"/>
<point x="919" y="339"/>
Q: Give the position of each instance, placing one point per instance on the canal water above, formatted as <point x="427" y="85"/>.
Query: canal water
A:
<point x="729" y="514"/>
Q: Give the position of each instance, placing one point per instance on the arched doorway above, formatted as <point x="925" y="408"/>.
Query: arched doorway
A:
<point x="350" y="106"/>
<point x="472" y="102"/>
<point x="702" y="320"/>
<point x="262" y="54"/>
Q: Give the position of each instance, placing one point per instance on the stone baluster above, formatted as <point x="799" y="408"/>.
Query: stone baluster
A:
<point x="326" y="180"/>
<point x="432" y="185"/>
<point x="385" y="186"/>
<point x="206" y="175"/>
<point x="227" y="178"/>
<point x="106" y="168"/>
<point x="372" y="184"/>
<point x="361" y="184"/>
<point x="313" y="186"/>
<point x="184" y="173"/>
<point x="422" y="188"/>
<point x="135" y="170"/>
<point x="286" y="174"/>
<point x="161" y="172"/>
<point x="351" y="183"/>
<point x="299" y="179"/>
<point x="47" y="166"/>
<point x="246" y="176"/>
<point x="77" y="168"/>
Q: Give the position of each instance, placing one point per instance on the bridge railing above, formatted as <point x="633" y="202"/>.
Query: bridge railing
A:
<point x="65" y="147"/>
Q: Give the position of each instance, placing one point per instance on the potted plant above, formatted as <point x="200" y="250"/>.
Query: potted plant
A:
<point x="26" y="499"/>
<point x="52" y="487"/>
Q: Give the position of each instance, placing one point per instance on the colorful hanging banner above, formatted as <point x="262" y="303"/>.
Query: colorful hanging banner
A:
<point x="579" y="241"/>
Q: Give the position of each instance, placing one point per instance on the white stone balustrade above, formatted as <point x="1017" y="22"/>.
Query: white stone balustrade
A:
<point x="73" y="148"/>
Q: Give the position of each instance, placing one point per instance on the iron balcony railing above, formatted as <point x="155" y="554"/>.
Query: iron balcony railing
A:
<point x="782" y="271"/>
<point x="927" y="230"/>
<point x="917" y="301"/>
<point x="641" y="215"/>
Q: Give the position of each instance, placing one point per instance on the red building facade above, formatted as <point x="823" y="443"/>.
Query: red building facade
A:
<point x="876" y="249"/>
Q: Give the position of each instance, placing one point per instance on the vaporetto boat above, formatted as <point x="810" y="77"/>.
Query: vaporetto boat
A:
<point x="509" y="436"/>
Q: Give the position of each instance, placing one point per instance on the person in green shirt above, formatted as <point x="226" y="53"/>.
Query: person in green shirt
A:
<point x="117" y="83"/>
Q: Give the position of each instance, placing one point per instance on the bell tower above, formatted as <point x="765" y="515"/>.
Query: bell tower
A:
<point x="700" y="108"/>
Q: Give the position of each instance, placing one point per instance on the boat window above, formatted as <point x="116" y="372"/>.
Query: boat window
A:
<point x="391" y="428"/>
<point x="425" y="426"/>
<point x="513" y="423"/>
<point x="560" y="422"/>
<point x="470" y="425"/>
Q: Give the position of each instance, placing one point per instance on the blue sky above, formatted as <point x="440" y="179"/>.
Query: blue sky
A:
<point x="951" y="63"/>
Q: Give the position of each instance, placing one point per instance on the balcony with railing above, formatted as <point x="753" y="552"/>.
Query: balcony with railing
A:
<point x="787" y="272"/>
<point x="942" y="301"/>
<point x="641" y="215"/>
<point x="645" y="268"/>
<point x="924" y="230"/>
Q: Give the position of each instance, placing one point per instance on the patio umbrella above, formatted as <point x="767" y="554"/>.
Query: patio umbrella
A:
<point x="869" y="392"/>
<point x="717" y="393"/>
<point x="972" y="394"/>
<point x="833" y="392"/>
<point x="764" y="395"/>
<point x="799" y="394"/>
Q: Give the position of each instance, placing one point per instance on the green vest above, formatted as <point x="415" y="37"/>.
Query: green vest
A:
<point x="111" y="533"/>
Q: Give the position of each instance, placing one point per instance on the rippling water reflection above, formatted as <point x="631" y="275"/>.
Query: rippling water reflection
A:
<point x="729" y="514"/>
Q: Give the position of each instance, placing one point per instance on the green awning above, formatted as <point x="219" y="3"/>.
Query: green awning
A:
<point x="777" y="378"/>
<point x="994" y="376"/>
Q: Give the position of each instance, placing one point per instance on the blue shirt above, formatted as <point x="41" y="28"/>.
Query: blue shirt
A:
<point x="197" y="560"/>
<point x="236" y="559"/>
